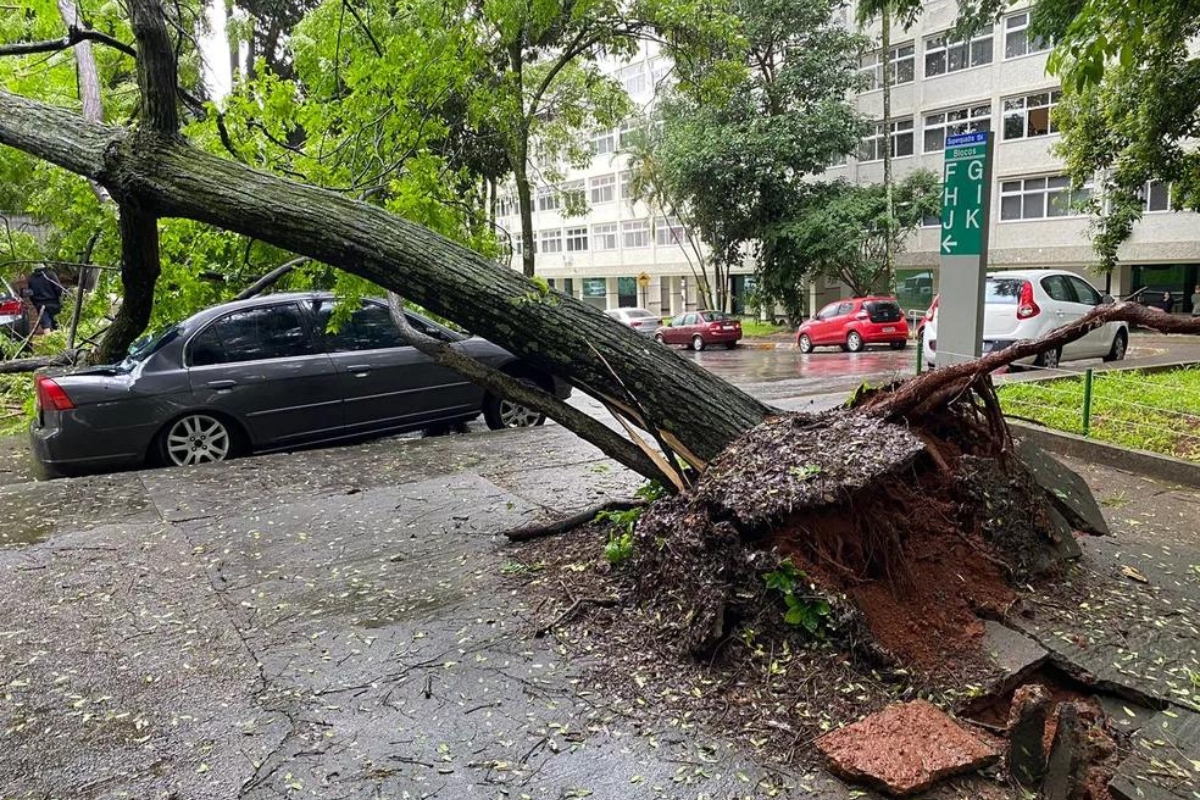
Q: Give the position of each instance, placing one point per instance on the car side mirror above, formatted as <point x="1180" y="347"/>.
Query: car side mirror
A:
<point x="1107" y="300"/>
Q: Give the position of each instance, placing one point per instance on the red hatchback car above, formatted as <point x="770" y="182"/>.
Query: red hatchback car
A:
<point x="699" y="329"/>
<point x="854" y="324"/>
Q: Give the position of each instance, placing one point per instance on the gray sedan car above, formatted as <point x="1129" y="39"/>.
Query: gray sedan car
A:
<point x="264" y="375"/>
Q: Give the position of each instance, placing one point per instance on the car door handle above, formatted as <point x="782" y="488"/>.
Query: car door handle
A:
<point x="359" y="370"/>
<point x="222" y="384"/>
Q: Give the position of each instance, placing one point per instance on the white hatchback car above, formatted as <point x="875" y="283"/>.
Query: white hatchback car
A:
<point x="1028" y="304"/>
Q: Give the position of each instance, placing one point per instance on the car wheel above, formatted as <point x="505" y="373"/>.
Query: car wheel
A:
<point x="697" y="343"/>
<point x="731" y="345"/>
<point x="500" y="414"/>
<point x="1049" y="360"/>
<point x="658" y="337"/>
<point x="854" y="342"/>
<point x="806" y="345"/>
<point x="899" y="345"/>
<point x="1120" y="346"/>
<point x="196" y="439"/>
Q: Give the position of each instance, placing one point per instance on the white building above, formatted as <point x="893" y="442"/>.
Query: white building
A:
<point x="997" y="81"/>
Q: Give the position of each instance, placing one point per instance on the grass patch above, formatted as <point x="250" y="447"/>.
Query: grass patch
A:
<point x="1159" y="412"/>
<point x="753" y="328"/>
<point x="16" y="403"/>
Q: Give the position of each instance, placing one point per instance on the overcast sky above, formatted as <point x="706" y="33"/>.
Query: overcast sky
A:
<point x="214" y="49"/>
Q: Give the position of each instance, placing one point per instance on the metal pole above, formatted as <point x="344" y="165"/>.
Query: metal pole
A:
<point x="1087" y="401"/>
<point x="920" y="353"/>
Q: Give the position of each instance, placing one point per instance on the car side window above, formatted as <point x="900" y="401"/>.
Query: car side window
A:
<point x="369" y="327"/>
<point x="844" y="309"/>
<point x="675" y="323"/>
<point x="255" y="334"/>
<point x="690" y="319"/>
<point x="828" y="311"/>
<point x="1059" y="289"/>
<point x="1085" y="291"/>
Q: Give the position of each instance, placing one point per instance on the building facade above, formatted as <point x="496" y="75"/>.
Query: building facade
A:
<point x="997" y="81"/>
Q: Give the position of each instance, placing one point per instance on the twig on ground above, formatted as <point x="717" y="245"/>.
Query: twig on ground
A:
<point x="566" y="524"/>
<point x="572" y="610"/>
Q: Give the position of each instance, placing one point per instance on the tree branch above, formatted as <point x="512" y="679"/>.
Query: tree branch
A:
<point x="504" y="385"/>
<point x="363" y="25"/>
<point x="139" y="274"/>
<point x="271" y="278"/>
<point x="74" y="36"/>
<point x="158" y="72"/>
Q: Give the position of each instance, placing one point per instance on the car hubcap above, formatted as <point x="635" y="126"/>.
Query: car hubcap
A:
<point x="1052" y="359"/>
<point x="855" y="341"/>
<point x="197" y="439"/>
<point x="514" y="415"/>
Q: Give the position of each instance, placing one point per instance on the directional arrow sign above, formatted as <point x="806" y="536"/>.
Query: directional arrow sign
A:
<point x="964" y="194"/>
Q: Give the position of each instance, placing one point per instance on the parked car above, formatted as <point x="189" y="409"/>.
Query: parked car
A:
<point x="265" y="375"/>
<point x="643" y="321"/>
<point x="14" y="320"/>
<point x="924" y="321"/>
<point x="699" y="329"/>
<point x="1027" y="304"/>
<point x="855" y="323"/>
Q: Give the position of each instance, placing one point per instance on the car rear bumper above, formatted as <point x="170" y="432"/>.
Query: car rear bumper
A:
<point x="721" y="336"/>
<point x="884" y="333"/>
<point x="55" y="455"/>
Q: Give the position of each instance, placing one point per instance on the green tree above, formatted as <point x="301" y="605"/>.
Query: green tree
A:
<point x="740" y="156"/>
<point x="850" y="234"/>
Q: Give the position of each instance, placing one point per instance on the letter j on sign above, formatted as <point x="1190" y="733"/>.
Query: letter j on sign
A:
<point x="964" y="194"/>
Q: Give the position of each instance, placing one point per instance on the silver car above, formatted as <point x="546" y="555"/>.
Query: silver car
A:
<point x="641" y="320"/>
<point x="264" y="375"/>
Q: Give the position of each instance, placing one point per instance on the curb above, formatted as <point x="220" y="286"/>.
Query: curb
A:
<point x="761" y="345"/>
<point x="1164" y="468"/>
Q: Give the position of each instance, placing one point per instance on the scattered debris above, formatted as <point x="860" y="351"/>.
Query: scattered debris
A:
<point x="1026" y="761"/>
<point x="905" y="749"/>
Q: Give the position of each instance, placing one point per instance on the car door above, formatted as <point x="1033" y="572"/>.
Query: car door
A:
<point x="1064" y="310"/>
<point x="1099" y="341"/>
<point x="819" y="330"/>
<point x="385" y="382"/>
<point x="671" y="332"/>
<point x="841" y="320"/>
<point x="263" y="367"/>
<point x="683" y="334"/>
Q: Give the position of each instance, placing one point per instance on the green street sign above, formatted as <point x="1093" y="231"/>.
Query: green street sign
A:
<point x="964" y="194"/>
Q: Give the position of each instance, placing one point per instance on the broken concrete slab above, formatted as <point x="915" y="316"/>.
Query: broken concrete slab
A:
<point x="904" y="749"/>
<point x="1027" y="735"/>
<point x="1012" y="651"/>
<point x="1164" y="763"/>
<point x="1067" y="491"/>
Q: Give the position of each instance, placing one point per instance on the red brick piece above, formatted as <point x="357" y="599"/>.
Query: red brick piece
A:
<point x="904" y="749"/>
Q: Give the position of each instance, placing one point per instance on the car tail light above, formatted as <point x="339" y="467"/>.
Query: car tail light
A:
<point x="1026" y="307"/>
<point x="714" y="326"/>
<point x="51" y="395"/>
<point x="11" y="306"/>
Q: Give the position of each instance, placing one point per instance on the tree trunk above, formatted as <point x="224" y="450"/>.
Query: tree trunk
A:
<point x="525" y="201"/>
<point x="139" y="274"/>
<point x="697" y="413"/>
<point x="889" y="267"/>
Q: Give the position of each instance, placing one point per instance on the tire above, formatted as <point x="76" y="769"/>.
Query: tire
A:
<point x="731" y="345"/>
<point x="658" y="337"/>
<point x="197" y="438"/>
<point x="854" y="342"/>
<point x="805" y="343"/>
<point x="697" y="343"/>
<point x="1049" y="360"/>
<point x="899" y="345"/>
<point x="1120" y="347"/>
<point x="500" y="414"/>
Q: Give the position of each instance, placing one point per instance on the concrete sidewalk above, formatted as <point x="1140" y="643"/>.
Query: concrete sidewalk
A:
<point x="336" y="623"/>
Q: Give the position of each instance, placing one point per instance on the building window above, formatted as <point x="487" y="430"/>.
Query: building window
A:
<point x="1156" y="196"/>
<point x="943" y="56"/>
<point x="1037" y="198"/>
<point x="1017" y="39"/>
<point x="604" y="188"/>
<point x="627" y="186"/>
<point x="901" y="141"/>
<point x="1031" y="115"/>
<point x="548" y="199"/>
<point x="630" y="130"/>
<point x="636" y="233"/>
<point x="871" y="66"/>
<point x="551" y="241"/>
<point x="603" y="143"/>
<point x="953" y="122"/>
<point x="507" y="206"/>
<point x="661" y="72"/>
<point x="604" y="237"/>
<point x="572" y="195"/>
<point x="668" y="231"/>
<point x="518" y="244"/>
<point x="633" y="78"/>
<point x="577" y="240"/>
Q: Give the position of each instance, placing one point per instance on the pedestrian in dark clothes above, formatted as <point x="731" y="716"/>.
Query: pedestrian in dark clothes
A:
<point x="45" y="292"/>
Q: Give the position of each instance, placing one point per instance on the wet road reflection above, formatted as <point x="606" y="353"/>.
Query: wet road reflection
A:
<point x="782" y="372"/>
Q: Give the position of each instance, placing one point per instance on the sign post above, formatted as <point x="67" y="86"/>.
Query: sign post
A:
<point x="966" y="214"/>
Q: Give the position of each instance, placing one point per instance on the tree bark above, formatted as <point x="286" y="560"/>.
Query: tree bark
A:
<point x="697" y="413"/>
<point x="139" y="274"/>
<point x="888" y="180"/>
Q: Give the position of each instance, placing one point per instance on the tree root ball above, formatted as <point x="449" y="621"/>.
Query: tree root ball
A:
<point x="910" y="536"/>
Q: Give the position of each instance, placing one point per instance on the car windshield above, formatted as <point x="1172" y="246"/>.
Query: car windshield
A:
<point x="147" y="346"/>
<point x="1003" y="291"/>
<point x="637" y="313"/>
